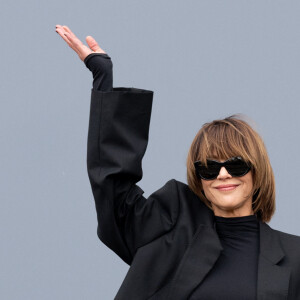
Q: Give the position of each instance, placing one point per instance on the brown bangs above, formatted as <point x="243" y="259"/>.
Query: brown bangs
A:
<point x="223" y="139"/>
<point x="230" y="137"/>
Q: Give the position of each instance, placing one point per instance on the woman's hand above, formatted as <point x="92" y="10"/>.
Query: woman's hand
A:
<point x="75" y="43"/>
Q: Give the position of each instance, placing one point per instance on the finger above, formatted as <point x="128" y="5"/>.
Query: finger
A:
<point x="93" y="44"/>
<point x="78" y="46"/>
<point x="76" y="43"/>
<point x="64" y="36"/>
<point x="61" y="32"/>
<point x="67" y="29"/>
<point x="73" y="39"/>
<point x="59" y="29"/>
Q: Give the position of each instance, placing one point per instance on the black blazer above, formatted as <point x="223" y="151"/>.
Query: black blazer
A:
<point x="169" y="240"/>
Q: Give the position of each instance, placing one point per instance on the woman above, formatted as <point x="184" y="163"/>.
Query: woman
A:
<point x="205" y="240"/>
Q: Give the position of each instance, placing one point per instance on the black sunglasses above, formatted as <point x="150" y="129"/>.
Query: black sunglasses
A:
<point x="235" y="166"/>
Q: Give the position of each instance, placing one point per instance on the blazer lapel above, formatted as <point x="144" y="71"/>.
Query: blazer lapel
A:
<point x="204" y="250"/>
<point x="273" y="279"/>
<point x="197" y="261"/>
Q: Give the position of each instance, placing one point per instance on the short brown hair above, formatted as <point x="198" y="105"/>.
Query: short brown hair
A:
<point x="231" y="137"/>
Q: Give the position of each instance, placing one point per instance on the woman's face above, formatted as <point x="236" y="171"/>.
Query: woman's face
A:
<point x="229" y="196"/>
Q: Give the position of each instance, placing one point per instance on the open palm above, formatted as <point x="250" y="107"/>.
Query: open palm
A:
<point x="75" y="43"/>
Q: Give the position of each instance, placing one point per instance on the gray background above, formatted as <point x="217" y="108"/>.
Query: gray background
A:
<point x="203" y="59"/>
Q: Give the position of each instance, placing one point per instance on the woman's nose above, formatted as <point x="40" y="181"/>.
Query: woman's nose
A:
<point x="223" y="174"/>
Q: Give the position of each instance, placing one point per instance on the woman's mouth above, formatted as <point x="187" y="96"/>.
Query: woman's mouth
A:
<point x="226" y="187"/>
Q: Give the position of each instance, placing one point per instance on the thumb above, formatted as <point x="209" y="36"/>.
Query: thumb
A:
<point x="93" y="44"/>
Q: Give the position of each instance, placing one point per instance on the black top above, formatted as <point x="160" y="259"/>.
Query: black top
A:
<point x="234" y="276"/>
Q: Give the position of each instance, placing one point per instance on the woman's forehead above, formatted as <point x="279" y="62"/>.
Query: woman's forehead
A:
<point x="220" y="156"/>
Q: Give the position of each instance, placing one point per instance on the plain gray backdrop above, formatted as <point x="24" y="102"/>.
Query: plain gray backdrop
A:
<point x="203" y="60"/>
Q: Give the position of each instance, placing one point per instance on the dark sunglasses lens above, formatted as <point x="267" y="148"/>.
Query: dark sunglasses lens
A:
<point x="210" y="172"/>
<point x="237" y="167"/>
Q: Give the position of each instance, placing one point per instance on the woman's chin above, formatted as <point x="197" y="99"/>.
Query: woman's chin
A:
<point x="231" y="205"/>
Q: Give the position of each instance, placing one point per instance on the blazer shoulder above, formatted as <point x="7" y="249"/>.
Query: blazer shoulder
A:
<point x="182" y="187"/>
<point x="183" y="190"/>
<point x="180" y="184"/>
<point x="288" y="236"/>
<point x="174" y="184"/>
<point x="172" y="190"/>
<point x="192" y="202"/>
<point x="290" y="243"/>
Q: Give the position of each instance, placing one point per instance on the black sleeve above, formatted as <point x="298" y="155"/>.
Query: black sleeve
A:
<point x="117" y="140"/>
<point x="101" y="66"/>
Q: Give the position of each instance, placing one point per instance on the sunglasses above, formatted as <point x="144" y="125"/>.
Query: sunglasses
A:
<point x="235" y="166"/>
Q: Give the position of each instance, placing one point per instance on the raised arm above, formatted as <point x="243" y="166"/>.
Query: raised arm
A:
<point x="95" y="58"/>
<point x="117" y="140"/>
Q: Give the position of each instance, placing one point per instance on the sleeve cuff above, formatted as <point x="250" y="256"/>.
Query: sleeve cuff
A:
<point x="104" y="55"/>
